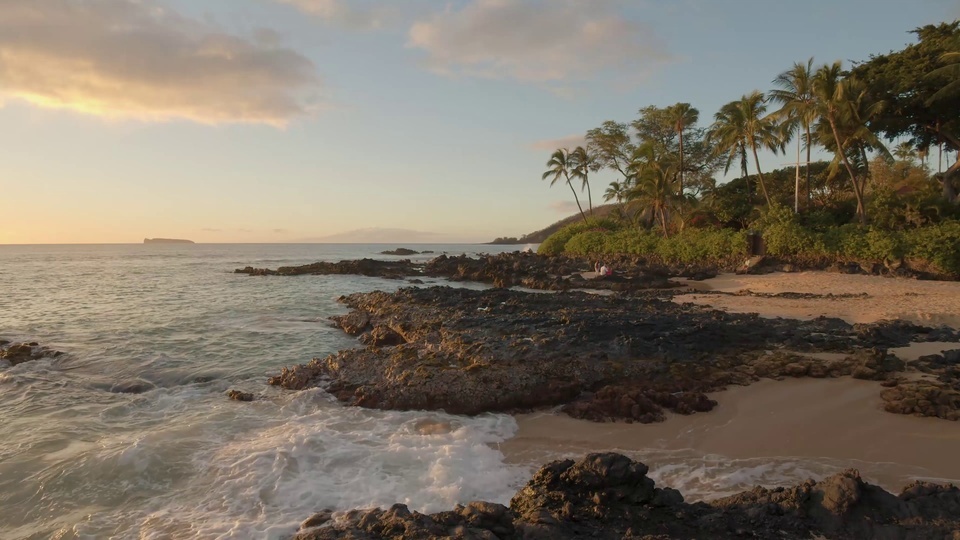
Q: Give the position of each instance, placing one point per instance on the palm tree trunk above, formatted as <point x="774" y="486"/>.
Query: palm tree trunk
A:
<point x="663" y="222"/>
<point x="589" y="192"/>
<point x="576" y="199"/>
<point x="809" y="139"/>
<point x="861" y="210"/>
<point x="681" y="163"/>
<point x="796" y="185"/>
<point x="763" y="185"/>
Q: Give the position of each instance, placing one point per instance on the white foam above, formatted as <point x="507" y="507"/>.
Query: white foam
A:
<point x="264" y="481"/>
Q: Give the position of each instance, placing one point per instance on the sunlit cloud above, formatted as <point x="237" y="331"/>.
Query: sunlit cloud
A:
<point x="539" y="41"/>
<point x="570" y="142"/>
<point x="131" y="59"/>
<point x="342" y="12"/>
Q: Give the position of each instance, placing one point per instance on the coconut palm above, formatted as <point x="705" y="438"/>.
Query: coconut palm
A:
<point x="743" y="124"/>
<point x="683" y="116"/>
<point x="580" y="164"/>
<point x="615" y="191"/>
<point x="905" y="152"/>
<point x="654" y="177"/>
<point x="844" y="108"/>
<point x="798" y="105"/>
<point x="559" y="166"/>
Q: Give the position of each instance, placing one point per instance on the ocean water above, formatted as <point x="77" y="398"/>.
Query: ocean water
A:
<point x="80" y="460"/>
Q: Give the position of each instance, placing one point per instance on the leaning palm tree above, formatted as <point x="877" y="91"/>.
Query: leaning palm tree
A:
<point x="844" y="107"/>
<point x="559" y="166"/>
<point x="743" y="124"/>
<point x="683" y="116"/>
<point x="580" y="164"/>
<point x="798" y="105"/>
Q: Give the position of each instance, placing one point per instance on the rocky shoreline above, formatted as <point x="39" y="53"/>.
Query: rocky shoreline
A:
<point x="609" y="496"/>
<point x="561" y="273"/>
<point x="603" y="358"/>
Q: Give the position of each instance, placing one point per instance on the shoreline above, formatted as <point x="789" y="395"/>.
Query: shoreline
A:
<point x="855" y="298"/>
<point x="826" y="424"/>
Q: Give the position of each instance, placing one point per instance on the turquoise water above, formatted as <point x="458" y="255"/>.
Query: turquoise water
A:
<point x="78" y="460"/>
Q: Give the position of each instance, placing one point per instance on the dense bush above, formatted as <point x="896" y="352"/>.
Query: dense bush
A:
<point x="935" y="247"/>
<point x="691" y="245"/>
<point x="556" y="243"/>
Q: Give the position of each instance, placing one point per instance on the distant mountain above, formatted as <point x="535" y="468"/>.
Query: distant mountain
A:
<point x="537" y="237"/>
<point x="166" y="241"/>
<point x="377" y="235"/>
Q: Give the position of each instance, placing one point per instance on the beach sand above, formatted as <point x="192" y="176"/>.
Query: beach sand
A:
<point x="925" y="302"/>
<point x="781" y="432"/>
<point x="768" y="433"/>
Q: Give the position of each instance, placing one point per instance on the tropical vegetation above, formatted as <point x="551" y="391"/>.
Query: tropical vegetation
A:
<point x="889" y="127"/>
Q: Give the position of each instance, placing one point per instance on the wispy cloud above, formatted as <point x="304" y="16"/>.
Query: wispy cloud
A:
<point x="208" y="229"/>
<point x="539" y="41"/>
<point x="569" y="142"/>
<point x="134" y="59"/>
<point x="344" y="13"/>
<point x="280" y="231"/>
<point x="564" y="207"/>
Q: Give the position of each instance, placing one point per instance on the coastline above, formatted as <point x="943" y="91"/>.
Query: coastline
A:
<point x="856" y="298"/>
<point x="820" y="425"/>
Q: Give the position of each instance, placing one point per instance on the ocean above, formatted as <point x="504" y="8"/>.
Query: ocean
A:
<point x="80" y="459"/>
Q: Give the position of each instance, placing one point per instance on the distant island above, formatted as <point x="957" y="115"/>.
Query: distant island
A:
<point x="166" y="241"/>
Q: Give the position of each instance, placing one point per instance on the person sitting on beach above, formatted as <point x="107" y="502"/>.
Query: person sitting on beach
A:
<point x="605" y="270"/>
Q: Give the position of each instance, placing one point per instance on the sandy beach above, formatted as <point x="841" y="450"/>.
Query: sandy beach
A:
<point x="781" y="432"/>
<point x="925" y="302"/>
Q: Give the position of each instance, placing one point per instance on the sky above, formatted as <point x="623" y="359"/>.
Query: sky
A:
<point x="364" y="120"/>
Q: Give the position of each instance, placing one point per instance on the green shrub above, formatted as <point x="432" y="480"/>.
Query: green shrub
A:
<point x="592" y="242"/>
<point x="938" y="245"/>
<point x="556" y="242"/>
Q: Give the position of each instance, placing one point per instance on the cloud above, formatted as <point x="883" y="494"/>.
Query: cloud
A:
<point x="339" y="11"/>
<point x="569" y="142"/>
<point x="280" y="231"/>
<point x="131" y="59"/>
<point x="540" y="41"/>
<point x="564" y="207"/>
<point x="208" y="229"/>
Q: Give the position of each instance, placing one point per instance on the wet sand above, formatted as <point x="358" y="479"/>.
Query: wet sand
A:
<point x="782" y="432"/>
<point x="925" y="302"/>
<point x="770" y="433"/>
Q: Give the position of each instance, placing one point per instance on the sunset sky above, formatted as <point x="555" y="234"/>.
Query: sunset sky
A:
<point x="294" y="120"/>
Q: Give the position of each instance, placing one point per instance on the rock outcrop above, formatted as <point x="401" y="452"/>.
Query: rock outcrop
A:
<point x="18" y="353"/>
<point x="610" y="497"/>
<point x="603" y="357"/>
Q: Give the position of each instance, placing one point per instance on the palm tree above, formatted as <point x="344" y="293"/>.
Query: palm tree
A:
<point x="559" y="165"/>
<point x="905" y="152"/>
<point x="742" y="124"/>
<point x="795" y="94"/>
<point x="844" y="106"/>
<point x="654" y="183"/>
<point x="616" y="190"/>
<point x="683" y="116"/>
<point x="581" y="162"/>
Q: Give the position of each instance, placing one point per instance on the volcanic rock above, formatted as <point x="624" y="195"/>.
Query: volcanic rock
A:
<point x="610" y="497"/>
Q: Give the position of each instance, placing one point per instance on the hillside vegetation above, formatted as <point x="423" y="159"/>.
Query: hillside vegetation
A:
<point x="888" y="196"/>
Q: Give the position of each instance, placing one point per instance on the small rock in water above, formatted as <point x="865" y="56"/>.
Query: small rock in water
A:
<point x="237" y="395"/>
<point x="317" y="519"/>
<point x="132" y="387"/>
